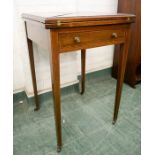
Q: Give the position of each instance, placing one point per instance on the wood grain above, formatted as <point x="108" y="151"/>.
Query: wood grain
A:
<point x="121" y="70"/>
<point x="83" y="70"/>
<point x="73" y="20"/>
<point x="33" y="74"/>
<point x="55" y="75"/>
<point x="89" y="39"/>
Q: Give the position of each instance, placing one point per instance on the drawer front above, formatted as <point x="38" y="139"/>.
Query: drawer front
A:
<point x="88" y="39"/>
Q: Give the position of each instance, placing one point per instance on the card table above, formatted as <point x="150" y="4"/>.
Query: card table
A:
<point x="68" y="32"/>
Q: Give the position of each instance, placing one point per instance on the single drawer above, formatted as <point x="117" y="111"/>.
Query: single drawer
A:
<point x="88" y="39"/>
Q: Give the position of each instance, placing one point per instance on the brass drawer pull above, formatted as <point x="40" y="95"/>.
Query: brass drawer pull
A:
<point x="114" y="35"/>
<point x="77" y="39"/>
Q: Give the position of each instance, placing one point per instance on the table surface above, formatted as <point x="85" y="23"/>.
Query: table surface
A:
<point x="49" y="17"/>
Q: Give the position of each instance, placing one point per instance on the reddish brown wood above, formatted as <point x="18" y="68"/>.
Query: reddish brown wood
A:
<point x="32" y="67"/>
<point x="58" y="20"/>
<point x="133" y="68"/>
<point x="121" y="70"/>
<point x="55" y="74"/>
<point x="71" y="33"/>
<point x="89" y="39"/>
<point x="83" y="68"/>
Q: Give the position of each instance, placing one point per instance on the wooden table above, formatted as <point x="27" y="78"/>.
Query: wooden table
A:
<point x="66" y="32"/>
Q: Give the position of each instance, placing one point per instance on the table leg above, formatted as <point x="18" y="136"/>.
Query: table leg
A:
<point x="31" y="57"/>
<point x="83" y="67"/>
<point x="120" y="78"/>
<point x="55" y="75"/>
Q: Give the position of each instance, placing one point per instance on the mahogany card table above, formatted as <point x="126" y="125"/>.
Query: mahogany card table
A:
<point x="68" y="32"/>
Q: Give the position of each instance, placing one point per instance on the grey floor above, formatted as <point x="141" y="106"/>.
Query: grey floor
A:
<point x="87" y="122"/>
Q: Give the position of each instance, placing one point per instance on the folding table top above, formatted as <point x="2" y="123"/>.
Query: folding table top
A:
<point x="59" y="19"/>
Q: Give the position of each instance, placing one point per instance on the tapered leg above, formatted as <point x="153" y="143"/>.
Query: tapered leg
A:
<point x="55" y="74"/>
<point x="120" y="78"/>
<point x="83" y="68"/>
<point x="31" y="57"/>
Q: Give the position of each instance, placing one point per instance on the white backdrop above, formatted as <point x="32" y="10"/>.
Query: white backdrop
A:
<point x="97" y="59"/>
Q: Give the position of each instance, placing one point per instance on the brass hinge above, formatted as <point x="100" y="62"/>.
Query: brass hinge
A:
<point x="58" y="23"/>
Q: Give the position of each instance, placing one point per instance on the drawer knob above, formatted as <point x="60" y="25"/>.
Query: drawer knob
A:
<point x="77" y="39"/>
<point x="114" y="35"/>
